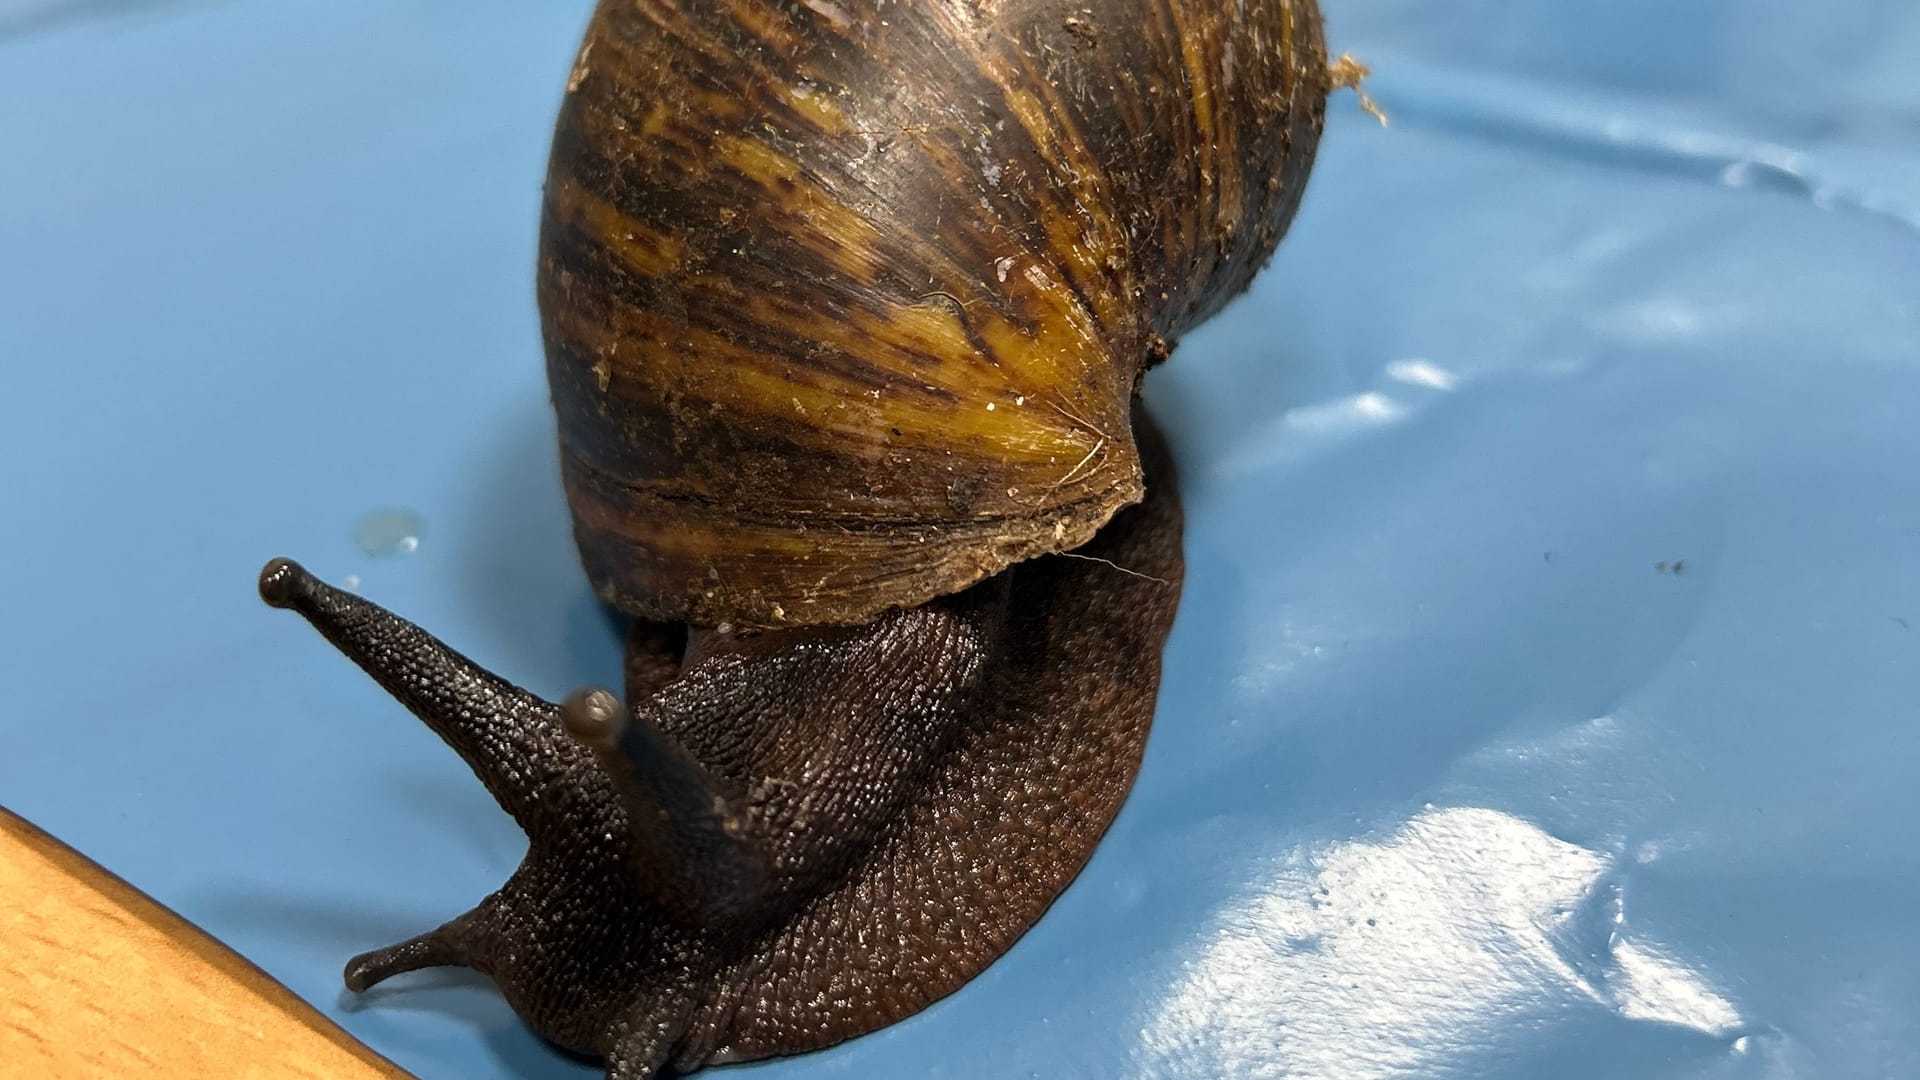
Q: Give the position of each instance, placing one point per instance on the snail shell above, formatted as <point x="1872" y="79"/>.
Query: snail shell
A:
<point x="845" y="301"/>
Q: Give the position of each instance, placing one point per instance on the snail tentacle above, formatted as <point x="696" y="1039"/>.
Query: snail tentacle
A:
<point x="511" y="739"/>
<point x="455" y="944"/>
<point x="691" y="842"/>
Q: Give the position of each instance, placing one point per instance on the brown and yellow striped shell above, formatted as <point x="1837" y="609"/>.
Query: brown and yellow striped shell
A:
<point x="846" y="301"/>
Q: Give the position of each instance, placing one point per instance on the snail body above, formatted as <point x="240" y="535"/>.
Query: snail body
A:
<point x="846" y="304"/>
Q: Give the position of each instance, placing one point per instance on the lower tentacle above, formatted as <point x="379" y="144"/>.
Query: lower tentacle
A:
<point x="459" y="943"/>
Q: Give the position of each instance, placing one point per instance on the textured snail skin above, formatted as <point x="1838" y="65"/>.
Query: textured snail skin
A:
<point x="845" y="300"/>
<point x="795" y="836"/>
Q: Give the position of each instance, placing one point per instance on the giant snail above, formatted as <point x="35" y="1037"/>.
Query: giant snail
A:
<point x="846" y="306"/>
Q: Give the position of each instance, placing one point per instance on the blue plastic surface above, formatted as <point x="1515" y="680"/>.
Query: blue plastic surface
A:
<point x="1544" y="698"/>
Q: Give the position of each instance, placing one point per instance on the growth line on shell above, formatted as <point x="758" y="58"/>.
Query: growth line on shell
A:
<point x="942" y="294"/>
<point x="1098" y="445"/>
<point x="1081" y="420"/>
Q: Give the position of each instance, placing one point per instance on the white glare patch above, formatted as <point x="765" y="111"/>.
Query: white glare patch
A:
<point x="1658" y="319"/>
<point x="1420" y="372"/>
<point x="1658" y="989"/>
<point x="1375" y="407"/>
<point x="1367" y="408"/>
<point x="1392" y="958"/>
<point x="832" y="12"/>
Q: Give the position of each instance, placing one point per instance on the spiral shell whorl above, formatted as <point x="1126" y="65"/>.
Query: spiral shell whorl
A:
<point x="846" y="300"/>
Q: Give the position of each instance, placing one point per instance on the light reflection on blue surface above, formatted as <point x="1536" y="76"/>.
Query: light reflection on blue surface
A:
<point x="1449" y="940"/>
<point x="1624" y="286"/>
